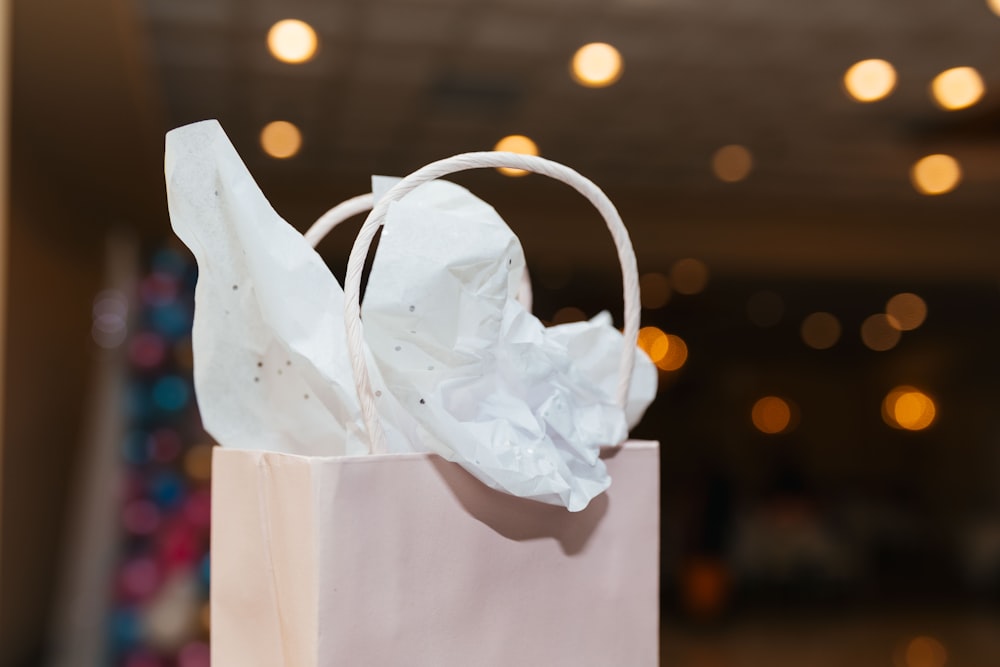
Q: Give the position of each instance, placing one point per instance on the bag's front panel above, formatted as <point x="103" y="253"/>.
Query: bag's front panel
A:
<point x="264" y="584"/>
<point x="421" y="565"/>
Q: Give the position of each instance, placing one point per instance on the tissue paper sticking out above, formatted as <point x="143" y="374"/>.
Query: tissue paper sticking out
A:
<point x="459" y="367"/>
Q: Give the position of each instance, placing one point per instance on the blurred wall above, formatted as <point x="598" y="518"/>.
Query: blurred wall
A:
<point x="86" y="152"/>
<point x="53" y="280"/>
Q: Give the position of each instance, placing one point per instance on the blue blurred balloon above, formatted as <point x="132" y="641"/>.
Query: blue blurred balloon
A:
<point x="171" y="393"/>
<point x="169" y="261"/>
<point x="137" y="402"/>
<point x="135" y="447"/>
<point x="125" y="627"/>
<point x="167" y="489"/>
<point x="205" y="571"/>
<point x="172" y="320"/>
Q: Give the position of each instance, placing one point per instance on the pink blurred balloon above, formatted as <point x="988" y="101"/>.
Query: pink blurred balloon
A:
<point x="195" y="654"/>
<point x="198" y="508"/>
<point x="139" y="578"/>
<point x="142" y="658"/>
<point x="141" y="517"/>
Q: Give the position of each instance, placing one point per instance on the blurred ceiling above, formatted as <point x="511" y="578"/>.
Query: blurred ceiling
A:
<point x="398" y="83"/>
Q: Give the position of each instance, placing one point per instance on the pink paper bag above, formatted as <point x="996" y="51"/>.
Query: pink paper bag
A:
<point x="407" y="560"/>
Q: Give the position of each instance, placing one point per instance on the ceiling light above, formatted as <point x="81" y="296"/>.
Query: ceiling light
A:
<point x="906" y="311"/>
<point x="771" y="415"/>
<point x="516" y="143"/>
<point x="936" y="174"/>
<point x="957" y="88"/>
<point x="908" y="408"/>
<point x="689" y="276"/>
<point x="732" y="163"/>
<point x="870" y="80"/>
<point x="820" y="331"/>
<point x="878" y="334"/>
<point x="281" y="139"/>
<point x="292" y="41"/>
<point x="596" y="65"/>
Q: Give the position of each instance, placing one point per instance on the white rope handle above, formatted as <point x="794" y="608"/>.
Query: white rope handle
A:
<point x="349" y="208"/>
<point x="481" y="160"/>
<point x="345" y="210"/>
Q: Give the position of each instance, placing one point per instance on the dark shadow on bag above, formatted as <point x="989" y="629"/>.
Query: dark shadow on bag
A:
<point x="520" y="519"/>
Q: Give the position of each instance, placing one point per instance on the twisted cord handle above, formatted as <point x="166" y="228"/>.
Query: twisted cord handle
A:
<point x="481" y="160"/>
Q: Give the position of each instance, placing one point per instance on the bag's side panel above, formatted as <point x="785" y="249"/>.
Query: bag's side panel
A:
<point x="424" y="566"/>
<point x="264" y="583"/>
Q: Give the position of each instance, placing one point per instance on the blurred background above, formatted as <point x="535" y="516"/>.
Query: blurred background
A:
<point x="813" y="191"/>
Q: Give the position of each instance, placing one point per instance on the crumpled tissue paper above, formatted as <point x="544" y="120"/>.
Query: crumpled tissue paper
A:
<point x="459" y="367"/>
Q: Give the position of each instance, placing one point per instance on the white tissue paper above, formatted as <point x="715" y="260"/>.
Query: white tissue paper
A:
<point x="459" y="367"/>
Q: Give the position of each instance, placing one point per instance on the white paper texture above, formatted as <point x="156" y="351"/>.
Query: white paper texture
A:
<point x="460" y="367"/>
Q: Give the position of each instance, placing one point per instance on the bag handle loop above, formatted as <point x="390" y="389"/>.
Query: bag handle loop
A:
<point x="349" y="208"/>
<point x="462" y="162"/>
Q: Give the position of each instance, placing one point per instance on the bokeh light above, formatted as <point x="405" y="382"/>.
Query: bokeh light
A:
<point x="653" y="341"/>
<point x="994" y="6"/>
<point x="771" y="415"/>
<point x="676" y="355"/>
<point x="908" y="408"/>
<point x="925" y="652"/>
<point x="732" y="163"/>
<point x="654" y="289"/>
<point x="878" y="333"/>
<point x="705" y="587"/>
<point x="568" y="314"/>
<point x="689" y="276"/>
<point x="936" y="174"/>
<point x="906" y="311"/>
<point x="820" y="331"/>
<point x="596" y="65"/>
<point x="516" y="143"/>
<point x="292" y="41"/>
<point x="110" y="319"/>
<point x="667" y="351"/>
<point x="957" y="88"/>
<point x="870" y="80"/>
<point x="765" y="308"/>
<point x="281" y="139"/>
<point x="198" y="463"/>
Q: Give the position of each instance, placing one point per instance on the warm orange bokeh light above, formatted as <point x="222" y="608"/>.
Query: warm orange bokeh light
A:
<point x="878" y="332"/>
<point x="909" y="409"/>
<point x="281" y="139"/>
<point x="568" y="314"/>
<point x="689" y="276"/>
<point x="596" y="65"/>
<point x="654" y="289"/>
<point x="292" y="41"/>
<point x="870" y="80"/>
<point x="936" y="174"/>
<point x="675" y="356"/>
<point x="820" y="331"/>
<point x="906" y="311"/>
<point x="732" y="163"/>
<point x="957" y="88"/>
<point x="667" y="351"/>
<point x="925" y="652"/>
<point x="771" y="415"/>
<point x="516" y="143"/>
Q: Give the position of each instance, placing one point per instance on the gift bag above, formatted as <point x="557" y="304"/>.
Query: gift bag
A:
<point x="444" y="505"/>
